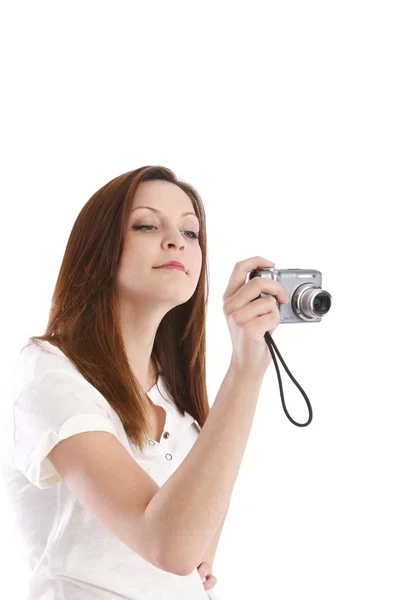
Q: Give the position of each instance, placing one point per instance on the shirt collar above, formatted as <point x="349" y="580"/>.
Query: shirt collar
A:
<point x="158" y="394"/>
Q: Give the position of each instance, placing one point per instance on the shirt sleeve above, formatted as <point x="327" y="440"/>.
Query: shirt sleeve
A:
<point x="50" y="409"/>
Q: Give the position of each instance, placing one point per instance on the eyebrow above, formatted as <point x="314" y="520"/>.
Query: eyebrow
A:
<point x="159" y="211"/>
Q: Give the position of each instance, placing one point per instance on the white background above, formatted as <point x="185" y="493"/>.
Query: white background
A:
<point x="285" y="117"/>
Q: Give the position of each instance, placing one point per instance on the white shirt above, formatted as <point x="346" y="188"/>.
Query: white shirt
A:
<point x="70" y="554"/>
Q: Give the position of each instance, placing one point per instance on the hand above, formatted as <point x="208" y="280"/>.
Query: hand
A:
<point x="250" y="317"/>
<point x="204" y="570"/>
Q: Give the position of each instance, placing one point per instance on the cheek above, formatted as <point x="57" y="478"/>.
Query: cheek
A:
<point x="200" y="259"/>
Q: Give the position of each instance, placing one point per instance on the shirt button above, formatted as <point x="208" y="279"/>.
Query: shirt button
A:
<point x="166" y="435"/>
<point x="168" y="456"/>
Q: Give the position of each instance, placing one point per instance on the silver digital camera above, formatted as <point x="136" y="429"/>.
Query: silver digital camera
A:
<point x="308" y="301"/>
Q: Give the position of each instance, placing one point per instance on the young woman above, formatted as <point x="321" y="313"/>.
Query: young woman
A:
<point x="119" y="474"/>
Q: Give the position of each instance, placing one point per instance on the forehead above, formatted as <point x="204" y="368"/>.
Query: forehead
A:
<point x="159" y="193"/>
<point x="163" y="197"/>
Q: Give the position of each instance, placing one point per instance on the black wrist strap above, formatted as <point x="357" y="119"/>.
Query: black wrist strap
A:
<point x="272" y="346"/>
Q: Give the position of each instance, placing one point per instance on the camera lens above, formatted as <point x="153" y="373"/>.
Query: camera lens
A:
<point x="322" y="303"/>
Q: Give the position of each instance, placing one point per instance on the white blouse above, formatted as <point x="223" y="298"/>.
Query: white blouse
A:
<point x="71" y="556"/>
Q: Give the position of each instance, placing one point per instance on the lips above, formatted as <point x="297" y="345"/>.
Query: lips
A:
<point x="173" y="263"/>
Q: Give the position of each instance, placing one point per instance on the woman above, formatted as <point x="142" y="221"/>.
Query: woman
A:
<point x="119" y="474"/>
<point x="123" y="354"/>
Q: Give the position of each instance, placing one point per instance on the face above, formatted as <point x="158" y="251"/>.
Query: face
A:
<point x="154" y="238"/>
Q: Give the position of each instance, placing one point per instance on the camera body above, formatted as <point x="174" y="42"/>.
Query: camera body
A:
<point x="308" y="301"/>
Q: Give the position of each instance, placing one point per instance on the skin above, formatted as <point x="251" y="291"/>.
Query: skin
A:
<point x="146" y="294"/>
<point x="205" y="571"/>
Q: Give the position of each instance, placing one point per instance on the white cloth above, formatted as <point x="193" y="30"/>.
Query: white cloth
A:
<point x="70" y="554"/>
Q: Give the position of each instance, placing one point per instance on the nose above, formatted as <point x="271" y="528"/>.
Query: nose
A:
<point x="177" y="237"/>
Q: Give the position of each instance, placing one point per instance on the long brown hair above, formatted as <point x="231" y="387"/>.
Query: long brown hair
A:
<point x="84" y="322"/>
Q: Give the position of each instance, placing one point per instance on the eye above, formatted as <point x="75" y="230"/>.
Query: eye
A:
<point x="192" y="236"/>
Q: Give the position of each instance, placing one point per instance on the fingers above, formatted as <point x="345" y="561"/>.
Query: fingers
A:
<point x="261" y="306"/>
<point x="256" y="328"/>
<point x="204" y="570"/>
<point x="207" y="578"/>
<point x="248" y="294"/>
<point x="210" y="583"/>
<point x="240" y="271"/>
